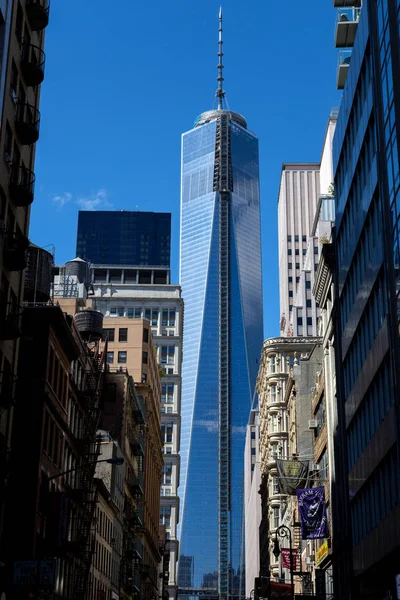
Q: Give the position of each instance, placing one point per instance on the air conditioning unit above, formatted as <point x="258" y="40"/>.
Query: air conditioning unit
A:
<point x="312" y="424"/>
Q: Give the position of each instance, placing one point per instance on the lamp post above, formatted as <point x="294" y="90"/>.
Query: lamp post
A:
<point x="284" y="532"/>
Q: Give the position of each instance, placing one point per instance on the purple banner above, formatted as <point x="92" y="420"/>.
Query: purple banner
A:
<point x="312" y="509"/>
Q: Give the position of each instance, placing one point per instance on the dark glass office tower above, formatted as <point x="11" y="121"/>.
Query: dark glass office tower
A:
<point x="220" y="274"/>
<point x="124" y="237"/>
<point x="367" y="180"/>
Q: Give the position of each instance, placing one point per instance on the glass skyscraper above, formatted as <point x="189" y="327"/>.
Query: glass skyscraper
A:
<point x="220" y="274"/>
<point x="124" y="237"/>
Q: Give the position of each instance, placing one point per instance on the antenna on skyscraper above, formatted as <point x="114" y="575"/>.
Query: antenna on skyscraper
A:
<point x="220" y="94"/>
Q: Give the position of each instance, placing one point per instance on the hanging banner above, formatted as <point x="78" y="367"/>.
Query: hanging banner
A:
<point x="286" y="558"/>
<point x="312" y="510"/>
<point x="292" y="474"/>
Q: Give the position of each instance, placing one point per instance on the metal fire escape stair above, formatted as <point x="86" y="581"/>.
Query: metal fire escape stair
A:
<point x="90" y="453"/>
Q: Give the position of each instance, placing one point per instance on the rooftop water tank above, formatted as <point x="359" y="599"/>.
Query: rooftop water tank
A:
<point x="38" y="274"/>
<point x="79" y="268"/>
<point x="89" y="323"/>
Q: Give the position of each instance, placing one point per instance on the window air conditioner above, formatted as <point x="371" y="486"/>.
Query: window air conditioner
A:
<point x="312" y="424"/>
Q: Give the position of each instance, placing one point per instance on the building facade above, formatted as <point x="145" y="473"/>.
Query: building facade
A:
<point x="297" y="202"/>
<point x="366" y="166"/>
<point x="220" y="274"/>
<point x="252" y="500"/>
<point x="55" y="503"/>
<point x="124" y="237"/>
<point x="22" y="59"/>
<point x="285" y="380"/>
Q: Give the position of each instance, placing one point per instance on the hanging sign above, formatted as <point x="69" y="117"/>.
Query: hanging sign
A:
<point x="312" y="510"/>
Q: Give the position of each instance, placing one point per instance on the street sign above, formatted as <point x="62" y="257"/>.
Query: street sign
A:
<point x="26" y="572"/>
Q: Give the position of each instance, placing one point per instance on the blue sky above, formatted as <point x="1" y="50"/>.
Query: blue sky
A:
<point x="124" y="80"/>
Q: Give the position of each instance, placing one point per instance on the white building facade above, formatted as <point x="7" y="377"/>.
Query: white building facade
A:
<point x="297" y="203"/>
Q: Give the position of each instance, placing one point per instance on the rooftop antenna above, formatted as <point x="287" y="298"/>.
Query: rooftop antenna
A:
<point x="220" y="94"/>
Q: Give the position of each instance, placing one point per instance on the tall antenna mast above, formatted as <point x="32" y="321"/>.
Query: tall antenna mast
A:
<point x="220" y="94"/>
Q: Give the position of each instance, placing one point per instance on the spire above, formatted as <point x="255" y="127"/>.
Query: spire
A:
<point x="220" y="94"/>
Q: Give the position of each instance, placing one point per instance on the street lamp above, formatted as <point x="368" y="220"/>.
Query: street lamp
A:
<point x="118" y="460"/>
<point x="284" y="532"/>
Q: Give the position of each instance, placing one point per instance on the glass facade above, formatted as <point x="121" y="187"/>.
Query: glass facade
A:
<point x="367" y="186"/>
<point x="124" y="237"/>
<point x="200" y="279"/>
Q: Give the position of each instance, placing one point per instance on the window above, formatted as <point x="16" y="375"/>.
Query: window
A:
<point x="290" y="279"/>
<point x="123" y="334"/>
<point x="289" y="238"/>
<point x="296" y="238"/>
<point x="272" y="364"/>
<point x="273" y="392"/>
<point x="168" y="317"/>
<point x="253" y="435"/>
<point x="167" y="355"/>
<point x="320" y="417"/>
<point x="297" y="265"/>
<point x="145" y="335"/>
<point x="167" y="474"/>
<point x="290" y="293"/>
<point x="166" y="432"/>
<point x="276" y="518"/>
<point x="289" y="252"/>
<point x="130" y="313"/>
<point x="308" y="303"/>
<point x="122" y="357"/>
<point x="297" y="279"/>
<point x="304" y="238"/>
<point x="299" y="321"/>
<point x="152" y="316"/>
<point x="304" y="251"/>
<point x="109" y="334"/>
<point x="289" y="266"/>
<point x="253" y="451"/>
<point x="274" y="423"/>
<point x="120" y="311"/>
<point x="167" y="393"/>
<point x="308" y="285"/>
<point x="309" y="320"/>
<point x="137" y="313"/>
<point x="113" y="311"/>
<point x="290" y="307"/>
<point x="165" y="515"/>
<point x="144" y="357"/>
<point x="315" y="249"/>
<point x="297" y="252"/>
<point x="275" y="485"/>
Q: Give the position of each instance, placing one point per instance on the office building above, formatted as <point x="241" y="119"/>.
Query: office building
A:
<point x="124" y="237"/>
<point x="252" y="500"/>
<point x="367" y="177"/>
<point x="220" y="274"/>
<point x="22" y="60"/>
<point x="297" y="202"/>
<point x="126" y="299"/>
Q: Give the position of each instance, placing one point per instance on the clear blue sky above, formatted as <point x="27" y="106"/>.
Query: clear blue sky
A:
<point x="124" y="79"/>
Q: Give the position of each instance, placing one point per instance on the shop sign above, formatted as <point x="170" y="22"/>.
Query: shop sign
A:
<point x="322" y="552"/>
<point x="26" y="572"/>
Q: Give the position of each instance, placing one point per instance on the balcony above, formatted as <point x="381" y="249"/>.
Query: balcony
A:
<point x="14" y="255"/>
<point x="37" y="12"/>
<point x="343" y="68"/>
<point x="10" y="321"/>
<point x="135" y="485"/>
<point x="136" y="443"/>
<point x="21" y="186"/>
<point x="7" y="389"/>
<point x="346" y="27"/>
<point x="344" y="3"/>
<point x="27" y="121"/>
<point x="32" y="64"/>
<point x="134" y="550"/>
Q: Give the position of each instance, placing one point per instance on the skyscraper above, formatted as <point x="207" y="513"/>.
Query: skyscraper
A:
<point x="220" y="273"/>
<point x="123" y="237"/>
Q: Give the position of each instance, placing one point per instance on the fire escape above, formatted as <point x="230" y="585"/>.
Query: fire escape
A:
<point x="90" y="452"/>
<point x="223" y="185"/>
